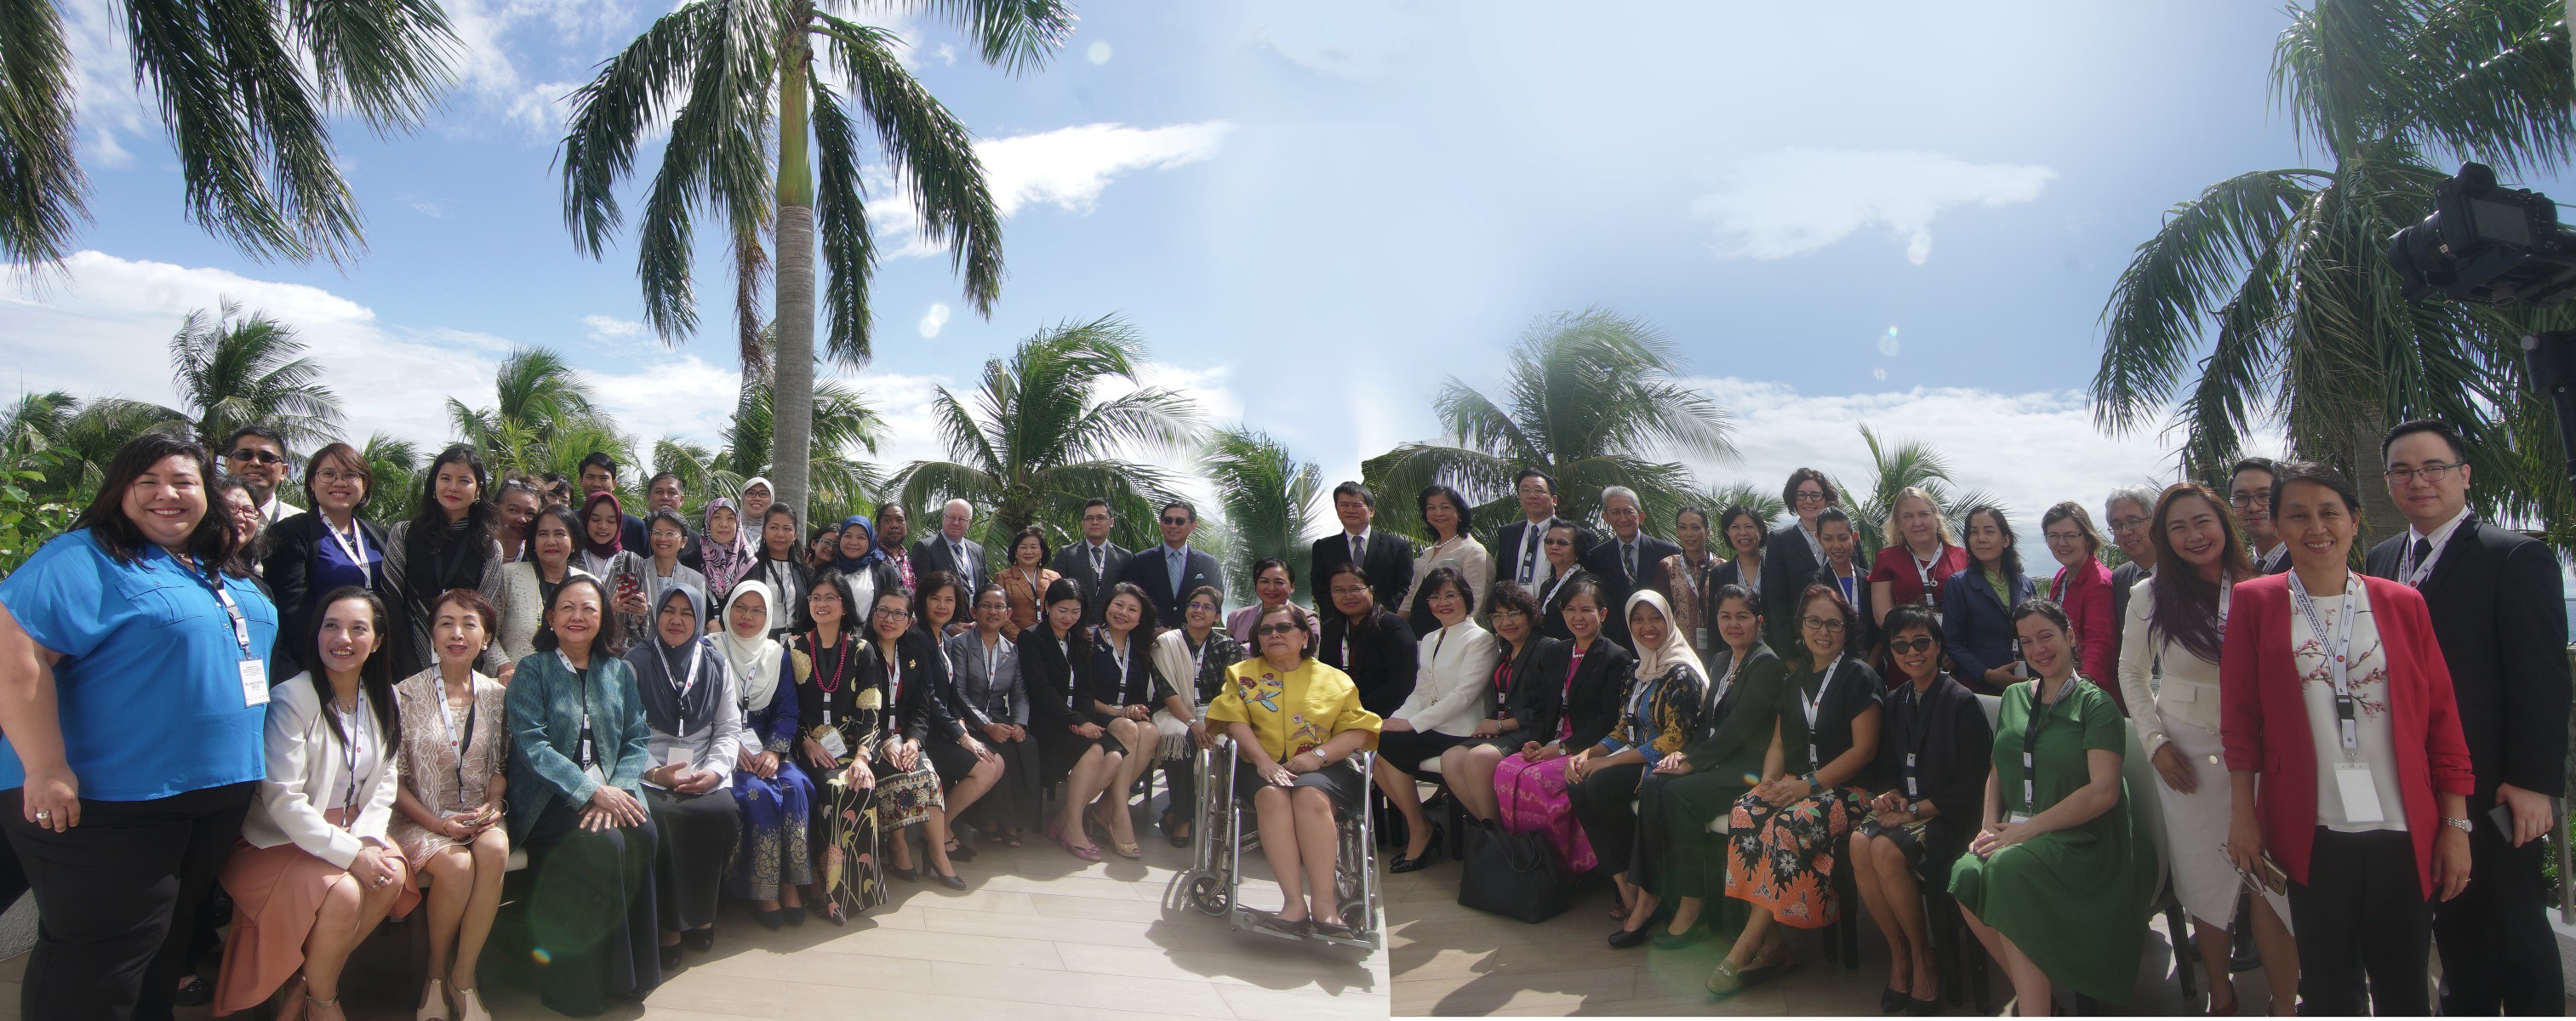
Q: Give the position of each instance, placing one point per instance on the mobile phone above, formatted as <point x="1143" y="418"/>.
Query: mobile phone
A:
<point x="629" y="586"/>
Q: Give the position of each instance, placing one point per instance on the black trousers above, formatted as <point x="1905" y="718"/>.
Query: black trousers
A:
<point x="116" y="898"/>
<point x="1676" y="855"/>
<point x="695" y="838"/>
<point x="2497" y="951"/>
<point x="1013" y="802"/>
<point x="1181" y="778"/>
<point x="1601" y="804"/>
<point x="591" y="911"/>
<point x="2362" y="914"/>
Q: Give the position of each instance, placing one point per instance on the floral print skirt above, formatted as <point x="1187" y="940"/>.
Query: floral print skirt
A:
<point x="1782" y="859"/>
<point x="1533" y="800"/>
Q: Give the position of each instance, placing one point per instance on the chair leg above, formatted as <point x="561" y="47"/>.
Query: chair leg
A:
<point x="2183" y="950"/>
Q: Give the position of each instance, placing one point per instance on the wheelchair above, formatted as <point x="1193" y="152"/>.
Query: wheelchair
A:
<point x="1215" y="879"/>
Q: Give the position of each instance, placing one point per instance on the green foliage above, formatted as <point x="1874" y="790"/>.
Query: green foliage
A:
<point x="233" y="370"/>
<point x="396" y="464"/>
<point x="1893" y="469"/>
<point x="1267" y="500"/>
<point x="28" y="516"/>
<point x="546" y="420"/>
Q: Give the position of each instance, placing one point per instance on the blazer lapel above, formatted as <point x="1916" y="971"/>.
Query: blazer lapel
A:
<point x="2462" y="547"/>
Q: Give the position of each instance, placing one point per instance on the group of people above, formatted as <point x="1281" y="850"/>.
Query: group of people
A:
<point x="344" y="722"/>
<point x="1735" y="723"/>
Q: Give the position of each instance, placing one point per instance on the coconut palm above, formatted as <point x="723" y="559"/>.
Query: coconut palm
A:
<point x="1267" y="499"/>
<point x="1037" y="440"/>
<point x="244" y="90"/>
<point x="547" y="418"/>
<point x="1893" y="468"/>
<point x="2267" y="299"/>
<point x="1764" y="502"/>
<point x="232" y="370"/>
<point x="1591" y="398"/>
<point x="396" y="465"/>
<point x="843" y="422"/>
<point x="738" y="80"/>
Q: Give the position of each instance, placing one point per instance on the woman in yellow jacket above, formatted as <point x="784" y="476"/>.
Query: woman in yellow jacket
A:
<point x="1296" y="722"/>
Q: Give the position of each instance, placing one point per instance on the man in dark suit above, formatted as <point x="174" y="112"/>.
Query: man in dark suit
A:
<point x="2500" y="614"/>
<point x="1385" y="557"/>
<point x="2249" y="490"/>
<point x="951" y="550"/>
<point x="2130" y="511"/>
<point x="1517" y="553"/>
<point x="1168" y="572"/>
<point x="1625" y="562"/>
<point x="1095" y="563"/>
<point x="1794" y="555"/>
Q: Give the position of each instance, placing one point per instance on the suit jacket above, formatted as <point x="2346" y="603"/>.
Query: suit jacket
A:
<point x="1387" y="561"/>
<point x="2084" y="591"/>
<point x="933" y="554"/>
<point x="1150" y="571"/>
<point x="1382" y="658"/>
<point x="923" y="707"/>
<point x="294" y="553"/>
<point x="2264" y="722"/>
<point x="2499" y="613"/>
<point x="1977" y="628"/>
<point x="1053" y="692"/>
<point x="1953" y="745"/>
<point x="1507" y="550"/>
<point x="1529" y="699"/>
<point x="1789" y="565"/>
<point x="1074" y="561"/>
<point x="1599" y="692"/>
<point x="1735" y="727"/>
<point x="2124" y="581"/>
<point x="1616" y="585"/>
<point x="1551" y="606"/>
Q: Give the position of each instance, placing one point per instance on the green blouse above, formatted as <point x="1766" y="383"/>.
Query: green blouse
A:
<point x="546" y="702"/>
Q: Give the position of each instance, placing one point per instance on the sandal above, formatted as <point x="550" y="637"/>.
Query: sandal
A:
<point x="1129" y="850"/>
<point x="1084" y="853"/>
<point x="1009" y="839"/>
<point x="433" y="1001"/>
<point x="469" y="1007"/>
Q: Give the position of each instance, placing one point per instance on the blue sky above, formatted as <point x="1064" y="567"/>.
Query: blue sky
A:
<point x="1899" y="214"/>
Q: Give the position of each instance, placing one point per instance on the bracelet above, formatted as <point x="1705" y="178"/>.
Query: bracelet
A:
<point x="2461" y="825"/>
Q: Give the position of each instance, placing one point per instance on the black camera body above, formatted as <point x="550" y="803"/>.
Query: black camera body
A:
<point x="2486" y="244"/>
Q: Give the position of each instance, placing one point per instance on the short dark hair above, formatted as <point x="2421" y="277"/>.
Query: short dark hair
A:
<point x="1203" y="590"/>
<point x="1324" y="585"/>
<point x="1533" y="473"/>
<point x="2309" y="471"/>
<point x="1509" y="595"/>
<point x="891" y="505"/>
<point x="962" y="600"/>
<point x="212" y="542"/>
<point x="1011" y="553"/>
<point x="1908" y="616"/>
<point x="611" y="633"/>
<point x="1355" y="489"/>
<point x="474" y="603"/>
<point x="1789" y="493"/>
<point x="1448" y="576"/>
<point x="1267" y="563"/>
<point x="562" y="515"/>
<point x="659" y="476"/>
<point x="1182" y="504"/>
<point x="2069" y="510"/>
<point x="1296" y="615"/>
<point x="1466" y="514"/>
<point x="1717" y="599"/>
<point x="1145" y="625"/>
<point x="2450" y="436"/>
<point x="2042" y="606"/>
<point x="348" y="454"/>
<point x="1832" y="594"/>
<point x="2256" y="464"/>
<point x="828" y="578"/>
<point x="261" y="431"/>
<point x="1097" y="502"/>
<point x="600" y="459"/>
<point x="1726" y="520"/>
<point x="1832" y="515"/>
<point x="669" y="517"/>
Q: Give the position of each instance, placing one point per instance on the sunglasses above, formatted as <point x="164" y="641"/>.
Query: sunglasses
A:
<point x="261" y="456"/>
<point x="1176" y="522"/>
<point x="1922" y="644"/>
<point x="1277" y="629"/>
<point x="1558" y="542"/>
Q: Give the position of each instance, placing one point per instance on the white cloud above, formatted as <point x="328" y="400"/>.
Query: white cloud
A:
<point x="669" y="395"/>
<point x="111" y="105"/>
<point x="1796" y="201"/>
<point x="934" y="320"/>
<point x="1067" y="167"/>
<point x="611" y="328"/>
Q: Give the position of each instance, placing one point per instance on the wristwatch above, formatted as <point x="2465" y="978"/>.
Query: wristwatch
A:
<point x="2461" y="825"/>
<point x="1914" y="810"/>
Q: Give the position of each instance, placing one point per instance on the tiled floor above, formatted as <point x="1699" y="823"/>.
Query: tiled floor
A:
<point x="1037" y="935"/>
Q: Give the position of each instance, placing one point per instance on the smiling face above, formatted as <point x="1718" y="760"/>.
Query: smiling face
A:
<point x="338" y="486"/>
<point x="596" y="479"/>
<point x="1744" y="535"/>
<point x="2045" y="645"/>
<point x="257" y="461"/>
<point x="1838" y="540"/>
<point x="518" y="507"/>
<point x="755" y="501"/>
<point x="1351" y="596"/>
<point x="778" y="536"/>
<point x="243" y="514"/>
<point x="748" y="616"/>
<point x="457" y="636"/>
<point x="457" y="489"/>
<point x="1441" y="515"/>
<point x="894" y="524"/>
<point x="1690" y="529"/>
<point x="893" y="614"/>
<point x="1027" y="551"/>
<point x="1738" y="624"/>
<point x="2318" y="525"/>
<point x="2250" y="491"/>
<point x="2066" y="542"/>
<point x="1821" y="628"/>
<point x="551" y="540"/>
<point x="1538" y="500"/>
<point x="824" y="606"/>
<point x="854" y="543"/>
<point x="1202" y="614"/>
<point x="1647" y="625"/>
<point x="1920" y="523"/>
<point x="664" y="494"/>
<point x="1583" y="616"/>
<point x="2132" y="529"/>
<point x="1177" y="524"/>
<point x="1272" y="586"/>
<point x="1986" y="539"/>
<point x="167" y="501"/>
<point x="574" y="617"/>
<point x="1510" y="624"/>
<point x="1559" y="545"/>
<point x="1621" y="512"/>
<point x="939" y="607"/>
<point x="1916" y="652"/>
<point x="1808" y="500"/>
<point x="1448" y="605"/>
<point x="675" y="622"/>
<point x="2426" y="479"/>
<point x="1063" y="614"/>
<point x="602" y="522"/>
<point x="1122" y="613"/>
<point x="721" y="524"/>
<point x="992" y="610"/>
<point x="348" y="636"/>
<point x="954" y="518"/>
<point x="667" y="539"/>
<point x="2197" y="531"/>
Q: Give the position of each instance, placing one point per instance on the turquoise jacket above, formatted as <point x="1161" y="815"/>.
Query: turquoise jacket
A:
<point x="545" y="703"/>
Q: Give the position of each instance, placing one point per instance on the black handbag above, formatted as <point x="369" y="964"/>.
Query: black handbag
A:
<point x="1514" y="875"/>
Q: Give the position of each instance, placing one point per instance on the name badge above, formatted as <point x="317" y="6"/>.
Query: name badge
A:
<point x="2360" y="793"/>
<point x="830" y="739"/>
<point x="1699" y="638"/>
<point x="2016" y="817"/>
<point x="1911" y="790"/>
<point x="254" y="682"/>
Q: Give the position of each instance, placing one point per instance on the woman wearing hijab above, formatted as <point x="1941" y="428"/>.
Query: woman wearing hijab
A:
<point x="862" y="564"/>
<point x="1662" y="714"/>
<point x="620" y="570"/>
<point x="777" y="561"/>
<point x="772" y="793"/>
<point x="695" y="723"/>
<point x="725" y="554"/>
<point x="757" y="496"/>
<point x="447" y="545"/>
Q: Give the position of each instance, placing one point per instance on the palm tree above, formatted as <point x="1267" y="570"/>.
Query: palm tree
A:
<point x="1267" y="498"/>
<point x="396" y="465"/>
<point x="1037" y="441"/>
<point x="233" y="371"/>
<point x="843" y="420"/>
<point x="245" y="90"/>
<point x="547" y="418"/>
<point x="738" y="80"/>
<point x="1591" y="398"/>
<point x="2268" y="299"/>
<point x="1765" y="503"/>
<point x="1892" y="469"/>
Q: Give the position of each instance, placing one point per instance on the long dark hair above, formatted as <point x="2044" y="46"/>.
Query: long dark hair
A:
<point x="212" y="543"/>
<point x="795" y="548"/>
<point x="2186" y="604"/>
<point x="428" y="543"/>
<point x="375" y="675"/>
<point x="1145" y="630"/>
<point x="961" y="605"/>
<point x="2009" y="561"/>
<point x="1422" y="506"/>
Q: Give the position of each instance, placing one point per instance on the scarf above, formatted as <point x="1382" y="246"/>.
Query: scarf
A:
<point x="602" y="550"/>
<point x="847" y="565"/>
<point x="660" y="668"/>
<point x="1674" y="650"/>
<point x="725" y="565"/>
<point x="755" y="659"/>
<point x="764" y="484"/>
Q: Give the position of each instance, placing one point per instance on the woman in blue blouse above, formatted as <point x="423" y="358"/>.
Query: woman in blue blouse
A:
<point x="1977" y="605"/>
<point x="772" y="792"/>
<point x="579" y="750"/>
<point x="131" y="607"/>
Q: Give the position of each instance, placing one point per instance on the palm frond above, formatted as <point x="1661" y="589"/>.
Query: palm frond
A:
<point x="385" y="59"/>
<point x="841" y="224"/>
<point x="2151" y="323"/>
<point x="929" y="151"/>
<point x="43" y="193"/>
<point x="1267" y="497"/>
<point x="1015" y="35"/>
<point x="611" y="113"/>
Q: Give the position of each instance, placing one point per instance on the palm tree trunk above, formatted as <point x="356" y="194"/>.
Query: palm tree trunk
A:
<point x="792" y="418"/>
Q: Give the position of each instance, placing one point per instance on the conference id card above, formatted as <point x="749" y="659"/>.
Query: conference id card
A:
<point x="1699" y="638"/>
<point x="254" y="682"/>
<point x="2016" y="817"/>
<point x="2360" y="792"/>
<point x="830" y="739"/>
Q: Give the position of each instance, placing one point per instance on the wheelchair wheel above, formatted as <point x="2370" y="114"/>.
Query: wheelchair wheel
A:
<point x="1355" y="913"/>
<point x="1209" y="895"/>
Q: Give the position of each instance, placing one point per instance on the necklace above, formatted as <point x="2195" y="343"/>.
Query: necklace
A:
<point x="833" y="682"/>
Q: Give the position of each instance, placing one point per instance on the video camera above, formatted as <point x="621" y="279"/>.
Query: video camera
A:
<point x="2486" y="244"/>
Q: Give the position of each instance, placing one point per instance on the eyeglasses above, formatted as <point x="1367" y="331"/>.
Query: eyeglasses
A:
<point x="2431" y="473"/>
<point x="1277" y="629"/>
<point x="1509" y="612"/>
<point x="1805" y="495"/>
<point x="1554" y="541"/>
<point x="1197" y="607"/>
<point x="1828" y="625"/>
<point x="2248" y="499"/>
<point x="890" y="613"/>
<point x="261" y="456"/>
<point x="1176" y="522"/>
<point x="1092" y="519"/>
<point x="1922" y="644"/>
<point x="2127" y="523"/>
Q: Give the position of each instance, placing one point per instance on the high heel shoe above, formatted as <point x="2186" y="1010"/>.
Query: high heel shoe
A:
<point x="700" y="940"/>
<point x="793" y="915"/>
<point x="1892" y="1000"/>
<point x="1430" y="853"/>
<point x="469" y="1005"/>
<point x="433" y="1002"/>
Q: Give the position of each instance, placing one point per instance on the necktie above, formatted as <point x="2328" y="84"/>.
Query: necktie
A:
<point x="1529" y="552"/>
<point x="1628" y="559"/>
<point x="2423" y="552"/>
<point x="1099" y="565"/>
<point x="1356" y="548"/>
<point x="1173" y="564"/>
<point x="965" y="573"/>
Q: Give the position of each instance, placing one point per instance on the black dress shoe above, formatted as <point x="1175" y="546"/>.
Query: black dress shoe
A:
<point x="1892" y="1000"/>
<point x="1665" y="940"/>
<point x="1922" y="1008"/>
<point x="793" y="915"/>
<point x="772" y="919"/>
<point x="700" y="940"/>
<point x="910" y="875"/>
<point x="1626" y="938"/>
<point x="1330" y="930"/>
<point x="670" y="957"/>
<point x="951" y="881"/>
<point x="962" y="852"/>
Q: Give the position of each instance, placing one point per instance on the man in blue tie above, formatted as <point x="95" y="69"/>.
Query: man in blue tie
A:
<point x="1171" y="571"/>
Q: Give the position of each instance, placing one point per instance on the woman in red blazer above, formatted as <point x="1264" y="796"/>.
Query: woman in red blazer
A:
<point x="2367" y="845"/>
<point x="2083" y="588"/>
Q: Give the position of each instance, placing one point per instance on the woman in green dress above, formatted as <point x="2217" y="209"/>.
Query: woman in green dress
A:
<point x="1677" y="856"/>
<point x="2056" y="882"/>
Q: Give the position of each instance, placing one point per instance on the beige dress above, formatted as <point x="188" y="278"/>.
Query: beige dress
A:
<point x="429" y="761"/>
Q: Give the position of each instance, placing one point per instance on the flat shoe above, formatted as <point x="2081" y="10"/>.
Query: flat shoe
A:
<point x="670" y="957"/>
<point x="197" y="993"/>
<point x="1724" y="980"/>
<point x="1626" y="938"/>
<point x="1665" y="940"/>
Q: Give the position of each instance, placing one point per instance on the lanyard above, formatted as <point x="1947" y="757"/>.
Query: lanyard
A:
<point x="1923" y="568"/>
<point x="1850" y="584"/>
<point x="1917" y="734"/>
<point x="832" y="683"/>
<point x="894" y="679"/>
<point x="214" y="583"/>
<point x="353" y="545"/>
<point x="349" y="754"/>
<point x="1121" y="653"/>
<point x="2339" y="655"/>
<point x="1565" y="702"/>
<point x="2030" y="743"/>
<point x="459" y="741"/>
<point x="1825" y="683"/>
<point x="2414" y="575"/>
<point x="583" y="759"/>
<point x="697" y="658"/>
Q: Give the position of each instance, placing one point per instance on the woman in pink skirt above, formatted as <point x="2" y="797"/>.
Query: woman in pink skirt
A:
<point x="314" y="870"/>
<point x="1581" y="684"/>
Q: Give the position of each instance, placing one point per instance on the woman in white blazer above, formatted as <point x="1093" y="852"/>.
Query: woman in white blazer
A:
<point x="1450" y="691"/>
<point x="315" y="870"/>
<point x="1453" y="544"/>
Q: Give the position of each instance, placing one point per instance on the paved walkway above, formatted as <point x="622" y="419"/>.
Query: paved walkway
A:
<point x="1036" y="935"/>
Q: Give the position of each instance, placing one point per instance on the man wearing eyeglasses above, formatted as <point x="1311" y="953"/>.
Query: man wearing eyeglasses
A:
<point x="1173" y="569"/>
<point x="2130" y="511"/>
<point x="1626" y="561"/>
<point x="2499" y="614"/>
<point x="1095" y="563"/>
<point x="1521" y="545"/>
<point x="256" y="455"/>
<point x="2249" y="490"/>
